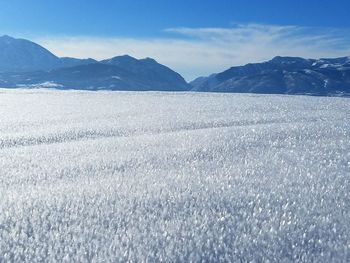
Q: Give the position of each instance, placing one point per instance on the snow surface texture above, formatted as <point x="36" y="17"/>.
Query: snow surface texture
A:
<point x="109" y="177"/>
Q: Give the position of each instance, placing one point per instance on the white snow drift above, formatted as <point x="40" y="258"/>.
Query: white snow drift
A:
<point x="108" y="177"/>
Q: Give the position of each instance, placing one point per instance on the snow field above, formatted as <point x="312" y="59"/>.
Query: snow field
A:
<point x="174" y="177"/>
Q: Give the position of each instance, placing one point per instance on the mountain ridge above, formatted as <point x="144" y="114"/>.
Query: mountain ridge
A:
<point x="21" y="55"/>
<point x="282" y="75"/>
<point x="25" y="63"/>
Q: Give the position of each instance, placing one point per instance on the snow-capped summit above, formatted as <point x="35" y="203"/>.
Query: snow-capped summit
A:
<point x="35" y="65"/>
<point x="283" y="75"/>
<point x="24" y="55"/>
<point x="6" y="39"/>
<point x="21" y="55"/>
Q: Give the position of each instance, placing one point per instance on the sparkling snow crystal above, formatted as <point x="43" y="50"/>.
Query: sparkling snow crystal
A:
<point x="123" y="176"/>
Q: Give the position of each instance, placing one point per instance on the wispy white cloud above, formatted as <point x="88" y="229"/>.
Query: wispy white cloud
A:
<point x="201" y="51"/>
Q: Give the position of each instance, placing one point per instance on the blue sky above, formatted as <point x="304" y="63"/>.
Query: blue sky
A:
<point x="193" y="37"/>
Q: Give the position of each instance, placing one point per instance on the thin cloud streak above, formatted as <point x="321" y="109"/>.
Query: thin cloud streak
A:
<point x="196" y="52"/>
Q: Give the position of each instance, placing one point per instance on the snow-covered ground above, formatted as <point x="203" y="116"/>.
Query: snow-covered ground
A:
<point x="116" y="176"/>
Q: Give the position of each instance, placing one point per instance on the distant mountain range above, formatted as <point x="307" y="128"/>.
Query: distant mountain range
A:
<point x="283" y="75"/>
<point x="20" y="55"/>
<point x="27" y="64"/>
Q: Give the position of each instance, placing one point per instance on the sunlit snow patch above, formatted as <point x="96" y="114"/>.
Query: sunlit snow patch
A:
<point x="47" y="84"/>
<point x="173" y="177"/>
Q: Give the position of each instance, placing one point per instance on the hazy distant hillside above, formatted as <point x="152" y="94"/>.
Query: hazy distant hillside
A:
<point x="24" y="55"/>
<point x="19" y="55"/>
<point x="283" y="75"/>
<point x="26" y="64"/>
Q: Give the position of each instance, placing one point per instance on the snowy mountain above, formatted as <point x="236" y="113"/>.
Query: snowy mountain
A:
<point x="283" y="75"/>
<point x="148" y="72"/>
<point x="26" y="64"/>
<point x="101" y="75"/>
<point x="20" y="55"/>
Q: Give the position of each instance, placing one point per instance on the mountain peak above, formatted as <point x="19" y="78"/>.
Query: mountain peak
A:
<point x="118" y="60"/>
<point x="283" y="75"/>
<point x="148" y="60"/>
<point x="34" y="64"/>
<point x="126" y="57"/>
<point x="6" y="37"/>
<point x="281" y="59"/>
